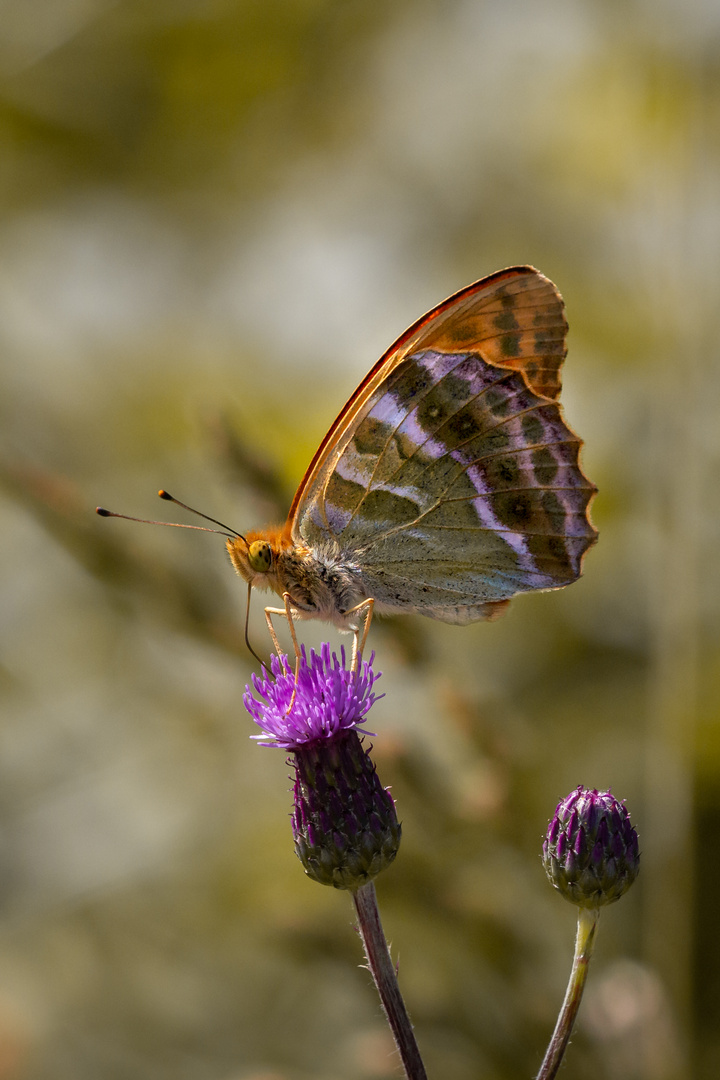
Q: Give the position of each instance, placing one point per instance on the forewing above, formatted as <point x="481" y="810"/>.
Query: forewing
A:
<point x="450" y="479"/>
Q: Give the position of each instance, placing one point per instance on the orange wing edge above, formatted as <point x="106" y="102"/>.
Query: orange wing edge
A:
<point x="397" y="351"/>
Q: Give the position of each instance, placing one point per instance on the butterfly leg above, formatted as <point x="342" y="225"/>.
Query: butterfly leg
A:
<point x="287" y="612"/>
<point x="366" y="608"/>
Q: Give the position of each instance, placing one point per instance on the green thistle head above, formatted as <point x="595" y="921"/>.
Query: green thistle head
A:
<point x="590" y="853"/>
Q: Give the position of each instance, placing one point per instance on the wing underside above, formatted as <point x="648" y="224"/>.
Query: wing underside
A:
<point x="450" y="480"/>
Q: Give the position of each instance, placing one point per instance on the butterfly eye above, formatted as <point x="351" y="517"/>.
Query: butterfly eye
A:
<point x="260" y="556"/>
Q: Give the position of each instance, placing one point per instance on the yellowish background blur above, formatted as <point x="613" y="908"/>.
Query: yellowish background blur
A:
<point x="214" y="217"/>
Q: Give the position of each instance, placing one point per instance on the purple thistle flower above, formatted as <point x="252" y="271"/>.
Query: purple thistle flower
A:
<point x="329" y="699"/>
<point x="344" y="822"/>
<point x="590" y="853"/>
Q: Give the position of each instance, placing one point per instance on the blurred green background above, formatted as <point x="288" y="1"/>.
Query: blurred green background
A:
<point x="214" y="217"/>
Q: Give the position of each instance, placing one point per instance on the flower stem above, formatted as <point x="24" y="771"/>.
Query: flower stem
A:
<point x="584" y="943"/>
<point x="385" y="979"/>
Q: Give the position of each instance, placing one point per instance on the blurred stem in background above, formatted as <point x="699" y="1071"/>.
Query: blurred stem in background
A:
<point x="686" y="268"/>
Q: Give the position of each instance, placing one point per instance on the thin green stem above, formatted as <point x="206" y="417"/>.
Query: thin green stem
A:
<point x="584" y="942"/>
<point x="385" y="979"/>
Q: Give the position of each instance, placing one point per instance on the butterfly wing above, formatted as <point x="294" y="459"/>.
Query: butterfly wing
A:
<point x="450" y="481"/>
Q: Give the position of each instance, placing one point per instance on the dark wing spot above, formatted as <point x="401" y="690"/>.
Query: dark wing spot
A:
<point x="498" y="402"/>
<point x="506" y="321"/>
<point x="545" y="466"/>
<point x="551" y="555"/>
<point x="404" y="445"/>
<point x="372" y="436"/>
<point x="345" y="494"/>
<point x="556" y="546"/>
<point x="513" y="508"/>
<point x="462" y="332"/>
<point x="510" y="345"/>
<point x="495" y="441"/>
<point x="502" y="472"/>
<point x="555" y="511"/>
<point x="461" y="427"/>
<point x="384" y="507"/>
<point x="448" y="395"/>
<point x="532" y="429"/>
<point x="410" y="379"/>
<point x="548" y="342"/>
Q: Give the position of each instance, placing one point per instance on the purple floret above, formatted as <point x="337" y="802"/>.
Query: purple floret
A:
<point x="329" y="699"/>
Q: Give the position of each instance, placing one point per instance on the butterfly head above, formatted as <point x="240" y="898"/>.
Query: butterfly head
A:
<point x="255" y="558"/>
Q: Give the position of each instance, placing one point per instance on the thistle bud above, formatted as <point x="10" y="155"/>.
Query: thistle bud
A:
<point x="344" y="822"/>
<point x="590" y="853"/>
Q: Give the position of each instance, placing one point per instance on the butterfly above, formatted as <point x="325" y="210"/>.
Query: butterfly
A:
<point x="449" y="483"/>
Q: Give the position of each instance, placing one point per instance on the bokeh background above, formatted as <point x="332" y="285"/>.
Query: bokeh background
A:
<point x="214" y="216"/>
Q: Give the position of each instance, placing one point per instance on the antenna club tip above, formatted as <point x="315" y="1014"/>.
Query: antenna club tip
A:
<point x="102" y="511"/>
<point x="165" y="494"/>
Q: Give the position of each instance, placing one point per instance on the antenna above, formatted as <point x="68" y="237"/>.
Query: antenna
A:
<point x="171" y="498"/>
<point x="224" y="530"/>
<point x="231" y="534"/>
